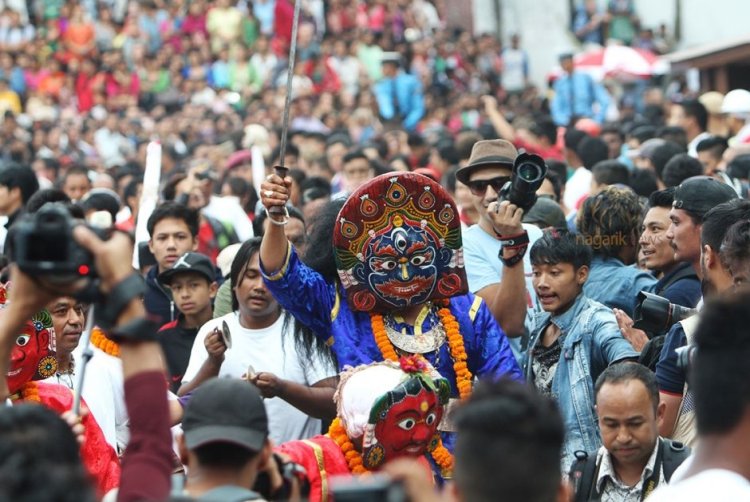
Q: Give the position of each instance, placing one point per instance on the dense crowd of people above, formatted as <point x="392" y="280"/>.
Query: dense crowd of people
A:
<point x="400" y="302"/>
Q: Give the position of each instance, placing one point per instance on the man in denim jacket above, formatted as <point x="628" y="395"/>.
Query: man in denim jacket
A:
<point x="573" y="340"/>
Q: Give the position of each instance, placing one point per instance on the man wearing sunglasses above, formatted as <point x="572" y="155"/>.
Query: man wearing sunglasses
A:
<point x="498" y="270"/>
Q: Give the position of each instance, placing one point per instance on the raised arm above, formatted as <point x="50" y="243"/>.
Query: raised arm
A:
<point x="502" y="126"/>
<point x="300" y="290"/>
<point x="274" y="192"/>
<point x="506" y="295"/>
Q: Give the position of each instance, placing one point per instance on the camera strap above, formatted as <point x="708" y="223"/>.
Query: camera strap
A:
<point x="518" y="243"/>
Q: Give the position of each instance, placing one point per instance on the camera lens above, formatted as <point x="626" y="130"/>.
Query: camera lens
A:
<point x="529" y="172"/>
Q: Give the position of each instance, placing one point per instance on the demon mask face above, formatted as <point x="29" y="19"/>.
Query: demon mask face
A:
<point x="397" y="243"/>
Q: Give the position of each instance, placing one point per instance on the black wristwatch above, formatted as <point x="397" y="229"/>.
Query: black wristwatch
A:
<point x="519" y="243"/>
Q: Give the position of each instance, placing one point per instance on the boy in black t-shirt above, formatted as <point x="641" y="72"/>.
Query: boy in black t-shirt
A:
<point x="193" y="285"/>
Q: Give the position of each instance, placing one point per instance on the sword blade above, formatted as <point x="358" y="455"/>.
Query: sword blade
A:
<point x="289" y="78"/>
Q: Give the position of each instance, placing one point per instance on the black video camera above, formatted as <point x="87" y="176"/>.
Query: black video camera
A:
<point x="525" y="179"/>
<point x="654" y="313"/>
<point x="43" y="246"/>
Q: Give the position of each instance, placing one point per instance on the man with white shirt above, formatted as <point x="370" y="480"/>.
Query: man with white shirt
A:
<point x="297" y="386"/>
<point x="102" y="387"/>
<point x="719" y="469"/>
<point x="515" y="75"/>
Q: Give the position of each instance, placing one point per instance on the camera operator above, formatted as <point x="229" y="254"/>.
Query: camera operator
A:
<point x="678" y="420"/>
<point x="498" y="273"/>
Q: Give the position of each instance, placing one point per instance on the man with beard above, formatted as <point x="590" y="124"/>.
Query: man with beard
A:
<point x="678" y="420"/>
<point x="261" y="348"/>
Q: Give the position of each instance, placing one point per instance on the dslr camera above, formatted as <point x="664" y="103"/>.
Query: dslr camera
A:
<point x="43" y="246"/>
<point x="526" y="177"/>
<point x="654" y="313"/>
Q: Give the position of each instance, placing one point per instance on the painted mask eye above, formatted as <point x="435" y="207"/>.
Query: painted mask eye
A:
<point x="22" y="340"/>
<point x="388" y="265"/>
<point x="407" y="424"/>
<point x="418" y="260"/>
<point x="430" y="419"/>
<point x="400" y="240"/>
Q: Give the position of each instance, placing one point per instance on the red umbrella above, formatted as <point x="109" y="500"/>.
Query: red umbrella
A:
<point x="619" y="61"/>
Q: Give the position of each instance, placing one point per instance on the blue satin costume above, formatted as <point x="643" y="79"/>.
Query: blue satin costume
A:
<point x="323" y="308"/>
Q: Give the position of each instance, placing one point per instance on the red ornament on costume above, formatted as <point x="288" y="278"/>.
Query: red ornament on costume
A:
<point x="97" y="455"/>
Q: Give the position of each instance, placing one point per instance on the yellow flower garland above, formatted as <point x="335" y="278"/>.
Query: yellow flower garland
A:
<point x="455" y="344"/>
<point x="101" y="342"/>
<point x="337" y="432"/>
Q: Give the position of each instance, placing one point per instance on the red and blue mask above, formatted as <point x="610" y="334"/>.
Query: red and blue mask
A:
<point x="397" y="242"/>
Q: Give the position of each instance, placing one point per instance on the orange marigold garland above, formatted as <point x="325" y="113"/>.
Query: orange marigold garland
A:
<point x="29" y="393"/>
<point x="101" y="342"/>
<point x="455" y="344"/>
<point x="337" y="432"/>
<point x="458" y="352"/>
<point x="381" y="338"/>
<point x="443" y="459"/>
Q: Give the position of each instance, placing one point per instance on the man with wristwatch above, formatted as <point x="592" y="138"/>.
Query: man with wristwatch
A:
<point x="497" y="266"/>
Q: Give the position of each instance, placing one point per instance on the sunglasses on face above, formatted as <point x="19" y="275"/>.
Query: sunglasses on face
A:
<point x="479" y="187"/>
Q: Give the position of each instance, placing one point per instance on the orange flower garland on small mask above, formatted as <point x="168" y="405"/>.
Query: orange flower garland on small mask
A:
<point x="337" y="432"/>
<point x="439" y="453"/>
